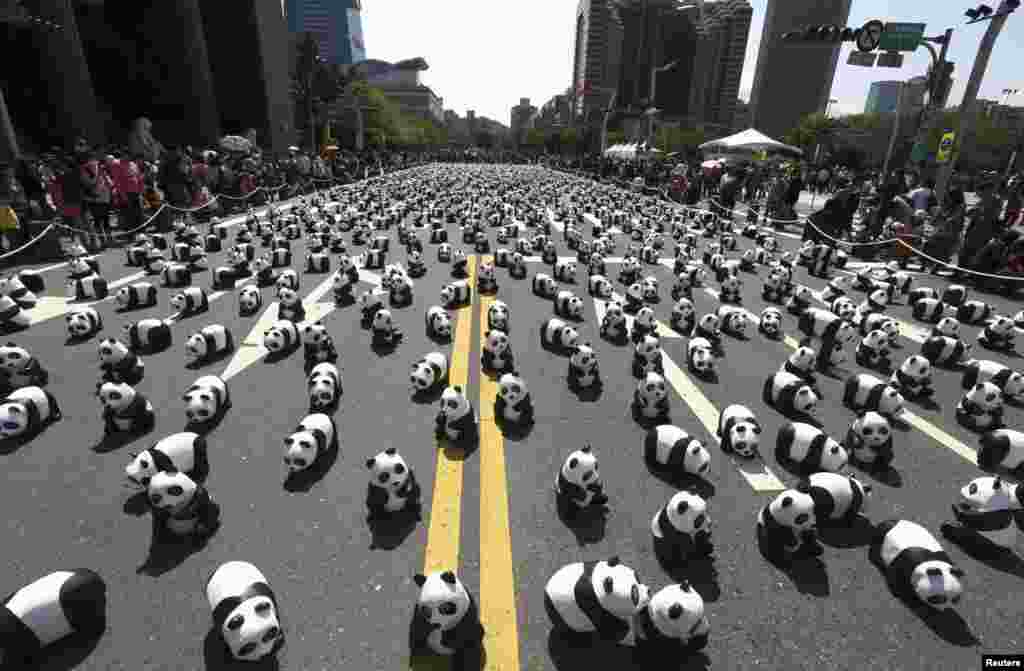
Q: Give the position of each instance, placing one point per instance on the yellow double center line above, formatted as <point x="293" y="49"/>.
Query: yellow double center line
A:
<point x="497" y="581"/>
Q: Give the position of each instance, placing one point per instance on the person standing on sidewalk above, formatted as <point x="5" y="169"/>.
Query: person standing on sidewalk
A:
<point x="128" y="186"/>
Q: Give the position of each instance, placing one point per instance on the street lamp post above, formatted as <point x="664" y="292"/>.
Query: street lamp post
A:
<point x="931" y="113"/>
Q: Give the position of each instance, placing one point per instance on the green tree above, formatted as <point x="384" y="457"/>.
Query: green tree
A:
<point x="315" y="86"/>
<point x="568" y="140"/>
<point x="616" y="137"/>
<point x="534" y="138"/>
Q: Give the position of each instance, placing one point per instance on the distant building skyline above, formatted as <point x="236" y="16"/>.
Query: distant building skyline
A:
<point x="336" y="25"/>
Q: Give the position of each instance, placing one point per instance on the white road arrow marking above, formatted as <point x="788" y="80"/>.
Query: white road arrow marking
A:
<point x="251" y="349"/>
<point x="49" y="307"/>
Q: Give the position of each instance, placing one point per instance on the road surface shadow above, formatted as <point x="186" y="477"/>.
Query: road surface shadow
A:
<point x="570" y="652"/>
<point x="388" y="533"/>
<point x="591" y="394"/>
<point x="432" y="395"/>
<point x="807" y="574"/>
<point x="699" y="571"/>
<point x="587" y="525"/>
<point x="167" y="551"/>
<point x="217" y="657"/>
<point x="115" y="441"/>
<point x="1006" y="561"/>
<point x="136" y="505"/>
<point x="66" y="654"/>
<point x="859" y="534"/>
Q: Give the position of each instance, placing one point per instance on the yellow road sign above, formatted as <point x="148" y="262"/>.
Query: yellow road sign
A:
<point x="945" y="147"/>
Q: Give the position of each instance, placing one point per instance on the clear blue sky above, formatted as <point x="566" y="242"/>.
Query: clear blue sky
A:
<point x="486" y="54"/>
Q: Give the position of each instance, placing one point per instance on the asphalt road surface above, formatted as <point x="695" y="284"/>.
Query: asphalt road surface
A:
<point x="347" y="598"/>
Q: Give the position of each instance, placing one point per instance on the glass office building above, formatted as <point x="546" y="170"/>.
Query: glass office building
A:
<point x="336" y="24"/>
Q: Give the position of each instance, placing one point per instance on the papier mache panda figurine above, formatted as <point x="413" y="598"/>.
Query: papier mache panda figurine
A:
<point x="673" y="623"/>
<point x="60" y="604"/>
<point x="181" y="507"/>
<point x="456" y="419"/>
<point x="513" y="405"/>
<point x="578" y="485"/>
<point x="839" y="499"/>
<point x="19" y="368"/>
<point x="245" y="611"/>
<point x="787" y="528"/>
<point x="596" y="600"/>
<point x="739" y="431"/>
<point x="446" y="620"/>
<point x="583" y="368"/>
<point x="682" y="530"/>
<point x="981" y="408"/>
<point x="26" y="411"/>
<point x="125" y="410"/>
<point x="392" y="489"/>
<point x="869" y="441"/>
<point x="987" y="516"/>
<point x="915" y="564"/>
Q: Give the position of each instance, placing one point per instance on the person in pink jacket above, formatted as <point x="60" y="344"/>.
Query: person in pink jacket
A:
<point x="128" y="186"/>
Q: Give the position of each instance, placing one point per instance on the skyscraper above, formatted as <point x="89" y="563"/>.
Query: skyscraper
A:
<point x="791" y="82"/>
<point x="597" y="52"/>
<point x="336" y="25"/>
<point x="720" y="52"/>
<point x="882" y="97"/>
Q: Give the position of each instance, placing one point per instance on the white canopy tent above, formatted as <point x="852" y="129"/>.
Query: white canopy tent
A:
<point x="630" y="151"/>
<point x="750" y="140"/>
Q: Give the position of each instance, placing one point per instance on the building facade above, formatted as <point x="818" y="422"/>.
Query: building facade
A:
<point x="723" y="29"/>
<point x="655" y="33"/>
<point x="120" y="63"/>
<point x="791" y="82"/>
<point x="882" y="97"/>
<point x="337" y="26"/>
<point x="595" y="70"/>
<point x="404" y="87"/>
<point x="556" y="112"/>
<point x="522" y="119"/>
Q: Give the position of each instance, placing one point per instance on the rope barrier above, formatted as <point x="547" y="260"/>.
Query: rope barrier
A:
<point x="27" y="244"/>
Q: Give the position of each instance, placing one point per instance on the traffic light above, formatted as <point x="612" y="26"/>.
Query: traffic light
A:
<point x="821" y="35"/>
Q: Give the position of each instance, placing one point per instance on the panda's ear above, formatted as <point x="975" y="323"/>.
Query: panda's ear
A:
<point x="957" y="572"/>
<point x="458" y="389"/>
<point x="419" y="579"/>
<point x="613" y="560"/>
<point x="787" y="501"/>
<point x="449" y="577"/>
<point x="804" y="486"/>
<point x="370" y="462"/>
<point x="586" y="449"/>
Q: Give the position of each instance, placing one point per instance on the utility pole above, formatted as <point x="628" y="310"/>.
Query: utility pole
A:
<point x="932" y="111"/>
<point x="895" y="130"/>
<point x="961" y="144"/>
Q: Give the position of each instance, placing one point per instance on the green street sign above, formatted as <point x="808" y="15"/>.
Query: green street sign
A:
<point x="902" y="36"/>
<point x="919" y="152"/>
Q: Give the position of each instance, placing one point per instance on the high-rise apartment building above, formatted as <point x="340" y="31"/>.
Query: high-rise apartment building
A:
<point x="597" y="52"/>
<point x="723" y="28"/>
<point x="882" y="97"/>
<point x="336" y="24"/>
<point x="791" y="82"/>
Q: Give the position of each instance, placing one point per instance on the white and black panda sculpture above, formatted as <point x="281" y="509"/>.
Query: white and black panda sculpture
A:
<point x="1010" y="382"/>
<point x="769" y="324"/>
<point x="739" y="431"/>
<point x="118" y="363"/>
<point x="290" y="306"/>
<point x="148" y="336"/>
<point x="790" y="395"/>
<point x="191" y="301"/>
<point x="866" y="392"/>
<point x="578" y="485"/>
<point x="556" y="335"/>
<point x="438" y="323"/>
<point x="999" y="334"/>
<point x="282" y="338"/>
<point x="650" y="400"/>
<point x="429" y="373"/>
<point x="673" y="624"/>
<point x="456" y="294"/>
<point x="209" y="343"/>
<point x="58" y="605"/>
<point x="446" y="620"/>
<point x="839" y="499"/>
<point x="869" y="441"/>
<point x="19" y="368"/>
<point x="309" y="446"/>
<point x="981" y="408"/>
<point x="185" y="452"/>
<point x="944" y="351"/>
<point x="682" y="530"/>
<point x="986" y="516"/>
<point x="82" y="323"/>
<point x="250" y="300"/>
<point x="206" y="400"/>
<point x="27" y="411"/>
<point x="317" y="345"/>
<point x="583" y="367"/>
<point x="245" y="611"/>
<point x="873" y="352"/>
<point x="787" y="528"/>
<point x="599" y="599"/>
<point x="181" y="507"/>
<point x="456" y="419"/>
<point x="125" y="410"/>
<point x="496" y="352"/>
<point x="498" y="316"/>
<point x="90" y="288"/>
<point x="324" y="386"/>
<point x="392" y="489"/>
<point x="137" y="295"/>
<point x="670" y="450"/>
<point x="913" y="378"/>
<point x="808" y="449"/>
<point x="513" y="405"/>
<point x="915" y="565"/>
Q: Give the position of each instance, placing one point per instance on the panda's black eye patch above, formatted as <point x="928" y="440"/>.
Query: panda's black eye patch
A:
<point x="175" y="490"/>
<point x="973" y="489"/>
<point x="236" y="622"/>
<point x="262" y="607"/>
<point x="447" y="608"/>
<point x="399" y="469"/>
<point x="801" y="518"/>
